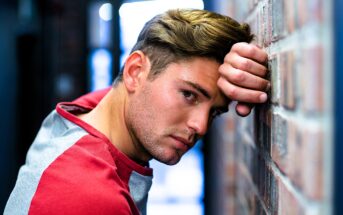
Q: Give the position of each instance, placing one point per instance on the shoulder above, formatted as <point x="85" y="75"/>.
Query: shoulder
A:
<point x="83" y="180"/>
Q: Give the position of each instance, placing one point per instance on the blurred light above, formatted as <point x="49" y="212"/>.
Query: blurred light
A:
<point x="25" y="9"/>
<point x="105" y="12"/>
<point x="64" y="85"/>
<point x="100" y="25"/>
<point x="101" y="64"/>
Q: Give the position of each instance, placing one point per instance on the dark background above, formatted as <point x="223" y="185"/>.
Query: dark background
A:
<point x="43" y="58"/>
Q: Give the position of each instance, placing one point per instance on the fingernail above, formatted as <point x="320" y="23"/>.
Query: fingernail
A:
<point x="268" y="87"/>
<point x="263" y="97"/>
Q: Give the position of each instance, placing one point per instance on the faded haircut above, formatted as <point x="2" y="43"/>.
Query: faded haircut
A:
<point x="183" y="34"/>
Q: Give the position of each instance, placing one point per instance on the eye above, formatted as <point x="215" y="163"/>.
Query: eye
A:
<point x="189" y="96"/>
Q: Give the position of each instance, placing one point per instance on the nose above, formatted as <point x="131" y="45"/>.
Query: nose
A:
<point x="198" y="121"/>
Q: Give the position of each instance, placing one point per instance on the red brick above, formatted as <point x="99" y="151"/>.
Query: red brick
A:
<point x="294" y="167"/>
<point x="309" y="11"/>
<point x="299" y="155"/>
<point x="316" y="10"/>
<point x="312" y="79"/>
<point x="230" y="183"/>
<point x="301" y="13"/>
<point x="230" y="205"/>
<point x="313" y="173"/>
<point x="290" y="15"/>
<point x="302" y="162"/>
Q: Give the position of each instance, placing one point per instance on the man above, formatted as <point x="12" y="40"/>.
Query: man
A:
<point x="91" y="155"/>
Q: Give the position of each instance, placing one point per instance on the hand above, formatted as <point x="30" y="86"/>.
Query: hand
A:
<point x="242" y="76"/>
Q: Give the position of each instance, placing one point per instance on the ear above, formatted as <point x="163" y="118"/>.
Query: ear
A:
<point x="136" y="70"/>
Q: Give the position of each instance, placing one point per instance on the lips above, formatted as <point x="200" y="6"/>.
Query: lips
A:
<point x="184" y="141"/>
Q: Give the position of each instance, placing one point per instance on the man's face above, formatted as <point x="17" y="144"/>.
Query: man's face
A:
<point x="167" y="115"/>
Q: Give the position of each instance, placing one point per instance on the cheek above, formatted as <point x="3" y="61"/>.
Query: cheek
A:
<point x="152" y="108"/>
<point x="168" y="104"/>
<point x="161" y="106"/>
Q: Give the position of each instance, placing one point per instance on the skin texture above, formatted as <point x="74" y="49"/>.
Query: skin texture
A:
<point x="162" y="118"/>
<point x="167" y="115"/>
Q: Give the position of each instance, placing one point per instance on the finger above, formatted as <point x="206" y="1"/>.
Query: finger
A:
<point x="247" y="64"/>
<point x="241" y="94"/>
<point x="243" y="79"/>
<point x="250" y="51"/>
<point x="243" y="109"/>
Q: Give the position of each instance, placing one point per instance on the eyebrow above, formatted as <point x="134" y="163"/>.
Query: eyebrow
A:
<point x="206" y="94"/>
<point x="199" y="88"/>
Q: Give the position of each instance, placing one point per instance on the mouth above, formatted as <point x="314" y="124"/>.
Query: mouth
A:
<point x="187" y="144"/>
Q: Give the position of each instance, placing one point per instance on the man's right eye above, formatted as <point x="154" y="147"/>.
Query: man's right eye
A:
<point x="189" y="96"/>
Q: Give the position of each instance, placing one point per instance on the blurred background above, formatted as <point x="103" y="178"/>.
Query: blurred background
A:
<point x="282" y="159"/>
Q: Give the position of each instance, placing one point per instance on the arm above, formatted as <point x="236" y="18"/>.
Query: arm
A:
<point x="243" y="76"/>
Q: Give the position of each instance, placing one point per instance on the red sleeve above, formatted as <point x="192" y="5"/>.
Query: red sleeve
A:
<point x="82" y="182"/>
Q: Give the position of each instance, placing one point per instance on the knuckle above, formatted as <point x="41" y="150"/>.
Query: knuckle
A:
<point x="236" y="47"/>
<point x="228" y="57"/>
<point x="232" y="92"/>
<point x="251" y="51"/>
<point x="246" y="64"/>
<point x="261" y="71"/>
<point x="238" y="76"/>
<point x="222" y="69"/>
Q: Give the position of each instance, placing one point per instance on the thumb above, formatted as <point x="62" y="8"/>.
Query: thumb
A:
<point x="243" y="109"/>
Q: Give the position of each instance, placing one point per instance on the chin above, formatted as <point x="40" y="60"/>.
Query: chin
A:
<point x="172" y="160"/>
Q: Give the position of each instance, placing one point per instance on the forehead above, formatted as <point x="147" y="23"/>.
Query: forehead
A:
<point x="201" y="70"/>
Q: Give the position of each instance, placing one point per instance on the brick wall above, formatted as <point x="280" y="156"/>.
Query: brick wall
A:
<point x="278" y="160"/>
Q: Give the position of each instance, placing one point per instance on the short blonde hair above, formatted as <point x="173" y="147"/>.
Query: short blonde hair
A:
<point x="182" y="34"/>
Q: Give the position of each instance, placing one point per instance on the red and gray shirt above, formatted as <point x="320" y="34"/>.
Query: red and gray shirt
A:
<point x="72" y="168"/>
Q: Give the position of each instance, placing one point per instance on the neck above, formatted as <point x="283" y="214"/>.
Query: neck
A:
<point x="108" y="117"/>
